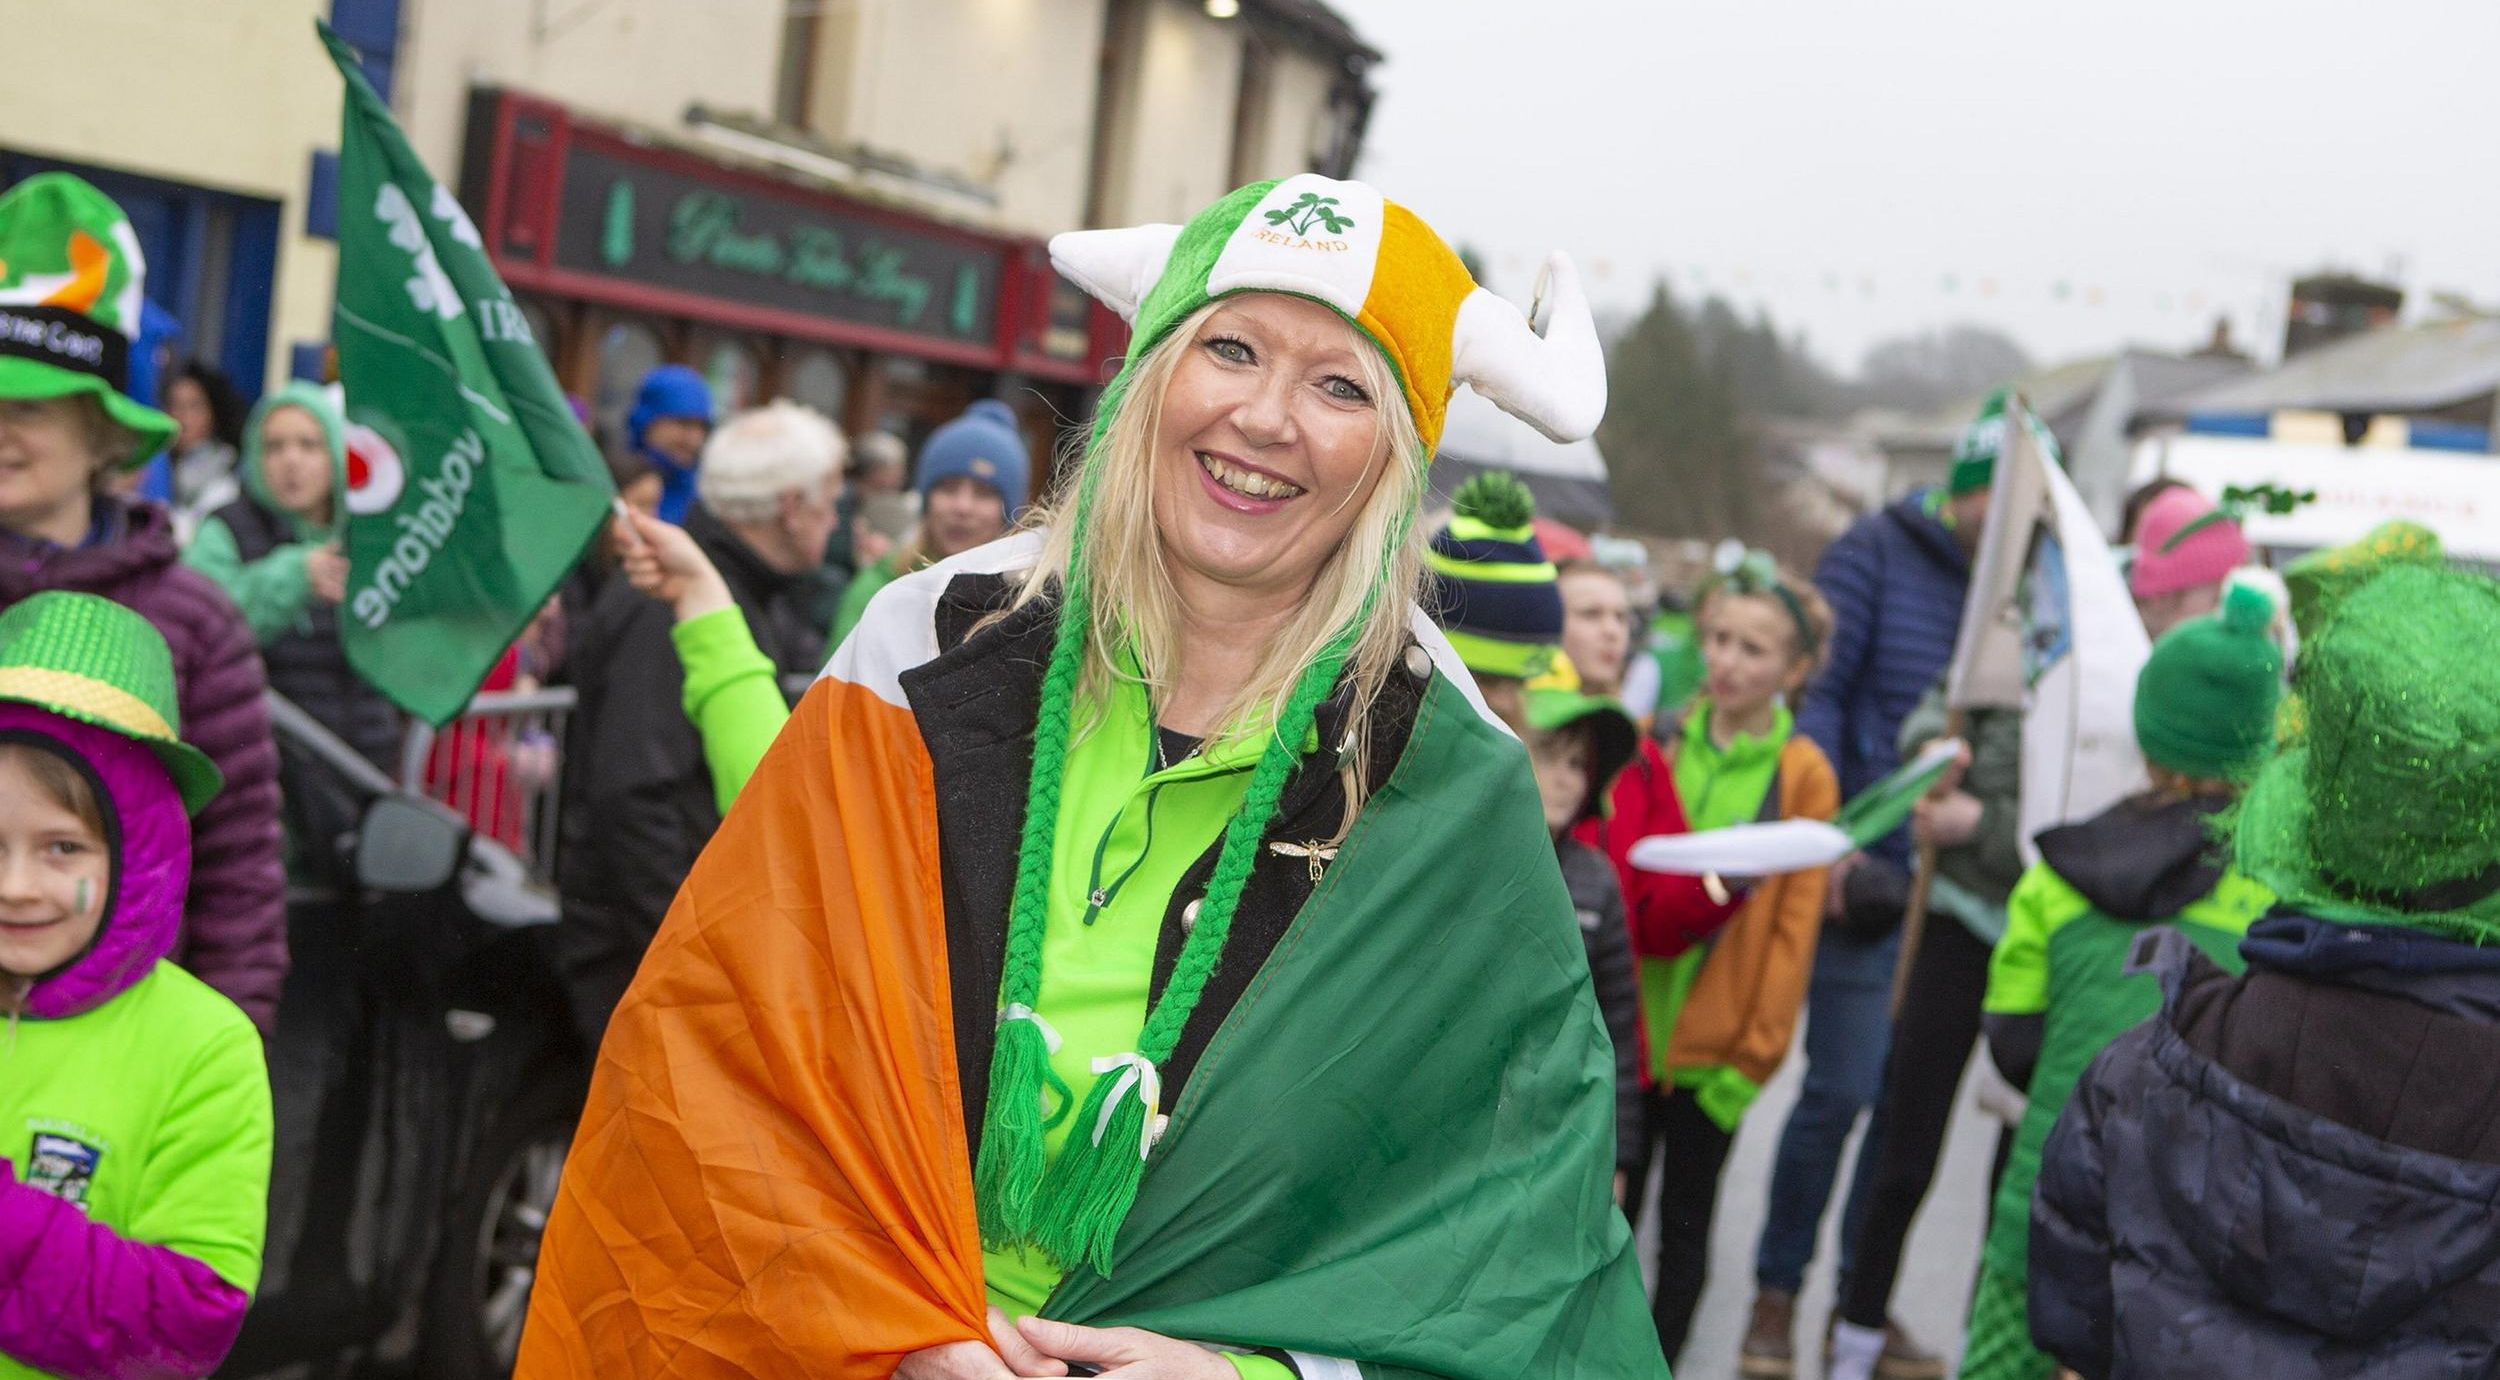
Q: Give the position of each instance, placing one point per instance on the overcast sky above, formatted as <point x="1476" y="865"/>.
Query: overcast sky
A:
<point x="2080" y="175"/>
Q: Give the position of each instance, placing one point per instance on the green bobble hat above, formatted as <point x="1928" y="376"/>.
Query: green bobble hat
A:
<point x="71" y="279"/>
<point x="1493" y="591"/>
<point x="2388" y="808"/>
<point x="2205" y="702"/>
<point x="87" y="658"/>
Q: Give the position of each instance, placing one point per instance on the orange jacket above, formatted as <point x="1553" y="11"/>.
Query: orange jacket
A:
<point x="1742" y="1010"/>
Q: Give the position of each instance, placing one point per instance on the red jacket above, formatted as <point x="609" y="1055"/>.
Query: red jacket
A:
<point x="1668" y="914"/>
<point x="234" y="916"/>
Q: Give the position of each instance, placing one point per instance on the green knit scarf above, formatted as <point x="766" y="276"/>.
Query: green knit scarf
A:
<point x="1072" y="1210"/>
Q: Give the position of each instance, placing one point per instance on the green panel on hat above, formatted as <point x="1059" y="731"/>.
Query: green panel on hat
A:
<point x="71" y="292"/>
<point x="87" y="658"/>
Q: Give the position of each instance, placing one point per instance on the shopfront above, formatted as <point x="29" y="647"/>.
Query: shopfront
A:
<point x="626" y="251"/>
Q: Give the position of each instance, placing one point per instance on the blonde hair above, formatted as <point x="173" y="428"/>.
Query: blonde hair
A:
<point x="1369" y="582"/>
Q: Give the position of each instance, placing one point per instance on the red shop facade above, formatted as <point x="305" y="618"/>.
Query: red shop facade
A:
<point x="627" y="252"/>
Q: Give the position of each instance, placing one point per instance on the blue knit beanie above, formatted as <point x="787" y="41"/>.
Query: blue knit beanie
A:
<point x="984" y="444"/>
<point x="1493" y="590"/>
<point x="672" y="390"/>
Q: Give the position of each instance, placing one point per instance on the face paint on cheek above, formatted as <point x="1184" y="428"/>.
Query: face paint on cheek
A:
<point x="83" y="895"/>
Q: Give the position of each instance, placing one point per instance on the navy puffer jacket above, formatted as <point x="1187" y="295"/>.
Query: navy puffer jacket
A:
<point x="1895" y="582"/>
<point x="2291" y="1173"/>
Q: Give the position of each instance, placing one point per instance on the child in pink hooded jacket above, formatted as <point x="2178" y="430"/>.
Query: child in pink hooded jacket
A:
<point x="134" y="1102"/>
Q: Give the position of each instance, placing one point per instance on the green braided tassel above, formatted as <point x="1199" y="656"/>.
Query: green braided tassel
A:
<point x="1087" y="1191"/>
<point x="1009" y="1170"/>
<point x="1008" y="1173"/>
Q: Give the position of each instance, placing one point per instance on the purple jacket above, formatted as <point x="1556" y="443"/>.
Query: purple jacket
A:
<point x="78" y="1298"/>
<point x="234" y="938"/>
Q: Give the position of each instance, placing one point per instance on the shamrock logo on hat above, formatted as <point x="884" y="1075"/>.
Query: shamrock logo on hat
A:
<point x="1312" y="209"/>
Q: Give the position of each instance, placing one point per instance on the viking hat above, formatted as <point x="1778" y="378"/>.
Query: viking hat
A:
<point x="1375" y="263"/>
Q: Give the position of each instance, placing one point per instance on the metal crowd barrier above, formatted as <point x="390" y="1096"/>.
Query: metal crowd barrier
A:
<point x="500" y="765"/>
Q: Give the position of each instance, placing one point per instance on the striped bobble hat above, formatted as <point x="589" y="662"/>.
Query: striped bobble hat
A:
<point x="1379" y="266"/>
<point x="1493" y="590"/>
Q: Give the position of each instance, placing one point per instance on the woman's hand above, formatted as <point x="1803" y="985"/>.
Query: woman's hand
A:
<point x="325" y="570"/>
<point x="953" y="1361"/>
<point x="662" y="561"/>
<point x="1126" y="1352"/>
<point x="973" y="1361"/>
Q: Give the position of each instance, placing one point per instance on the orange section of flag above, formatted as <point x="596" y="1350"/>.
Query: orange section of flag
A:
<point x="770" y="1178"/>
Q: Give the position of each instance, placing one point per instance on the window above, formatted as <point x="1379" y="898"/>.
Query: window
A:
<point x="729" y="365"/>
<point x="816" y="377"/>
<point x="627" y="351"/>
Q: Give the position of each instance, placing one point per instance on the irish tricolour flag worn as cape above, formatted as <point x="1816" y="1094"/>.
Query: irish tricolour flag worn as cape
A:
<point x="1396" y="1148"/>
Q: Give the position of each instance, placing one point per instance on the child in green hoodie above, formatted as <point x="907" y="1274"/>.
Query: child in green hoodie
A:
<point x="277" y="551"/>
<point x="134" y="1104"/>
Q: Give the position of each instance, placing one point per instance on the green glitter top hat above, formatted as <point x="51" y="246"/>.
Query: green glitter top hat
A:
<point x="2387" y="810"/>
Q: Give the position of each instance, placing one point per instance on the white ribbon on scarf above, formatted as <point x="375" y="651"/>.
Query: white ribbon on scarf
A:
<point x="1018" y="1011"/>
<point x="1137" y="1073"/>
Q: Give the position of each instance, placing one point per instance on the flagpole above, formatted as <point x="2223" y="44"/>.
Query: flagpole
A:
<point x="1922" y="883"/>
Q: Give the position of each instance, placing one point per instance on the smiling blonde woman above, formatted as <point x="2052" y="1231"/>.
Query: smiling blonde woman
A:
<point x="1142" y="954"/>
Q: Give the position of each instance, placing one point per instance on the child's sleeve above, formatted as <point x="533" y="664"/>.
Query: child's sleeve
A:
<point x="2017" y="1000"/>
<point x="1617" y="979"/>
<point x="81" y="1300"/>
<point x="2018" y="969"/>
<point x="273" y="592"/>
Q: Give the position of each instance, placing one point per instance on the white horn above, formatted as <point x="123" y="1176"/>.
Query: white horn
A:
<point x="1116" y="267"/>
<point x="1551" y="375"/>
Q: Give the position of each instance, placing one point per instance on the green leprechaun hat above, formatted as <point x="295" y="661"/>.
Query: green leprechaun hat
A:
<point x="2387" y="809"/>
<point x="87" y="658"/>
<point x="70" y="298"/>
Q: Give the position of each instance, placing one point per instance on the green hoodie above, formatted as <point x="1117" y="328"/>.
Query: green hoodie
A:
<point x="273" y="591"/>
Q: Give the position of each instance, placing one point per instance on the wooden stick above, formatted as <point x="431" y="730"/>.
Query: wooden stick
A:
<point x="1922" y="881"/>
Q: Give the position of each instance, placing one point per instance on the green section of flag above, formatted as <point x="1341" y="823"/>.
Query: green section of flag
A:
<point x="471" y="488"/>
<point x="1876" y="811"/>
<point x="1398" y="1149"/>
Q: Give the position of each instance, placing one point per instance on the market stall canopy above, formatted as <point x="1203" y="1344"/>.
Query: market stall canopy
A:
<point x="1568" y="479"/>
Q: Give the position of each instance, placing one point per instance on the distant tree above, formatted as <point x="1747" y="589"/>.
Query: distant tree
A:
<point x="1918" y="372"/>
<point x="1677" y="445"/>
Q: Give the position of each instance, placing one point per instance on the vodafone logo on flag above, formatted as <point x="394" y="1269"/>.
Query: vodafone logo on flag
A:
<point x="375" y="474"/>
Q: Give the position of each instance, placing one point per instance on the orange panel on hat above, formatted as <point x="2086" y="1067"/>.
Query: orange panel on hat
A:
<point x="1417" y="286"/>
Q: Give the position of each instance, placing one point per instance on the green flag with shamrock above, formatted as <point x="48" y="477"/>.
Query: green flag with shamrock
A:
<point x="471" y="488"/>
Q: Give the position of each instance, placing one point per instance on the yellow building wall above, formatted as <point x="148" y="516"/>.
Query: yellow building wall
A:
<point x="1292" y="130"/>
<point x="229" y="96"/>
<point x="999" y="92"/>
<point x="1173" y="151"/>
<point x="638" y="60"/>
